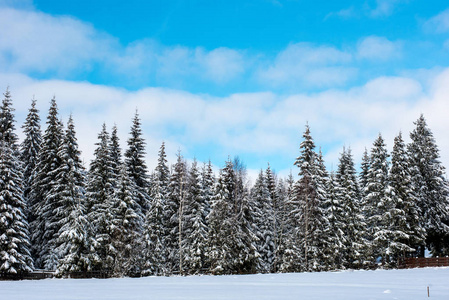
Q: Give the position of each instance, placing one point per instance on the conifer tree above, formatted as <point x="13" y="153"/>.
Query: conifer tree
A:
<point x="274" y="198"/>
<point x="335" y="212"/>
<point x="46" y="226"/>
<point x="126" y="226"/>
<point x="73" y="238"/>
<point x="263" y="224"/>
<point x="403" y="214"/>
<point x="15" y="258"/>
<point x="309" y="193"/>
<point x="136" y="165"/>
<point x="347" y="197"/>
<point x="155" y="220"/>
<point x="177" y="191"/>
<point x="221" y="222"/>
<point x="326" y="243"/>
<point x="30" y="148"/>
<point x="7" y="127"/>
<point x="377" y="201"/>
<point x="428" y="177"/>
<point x="154" y="234"/>
<point x="290" y="245"/>
<point x="195" y="229"/>
<point x="99" y="207"/>
<point x="281" y="223"/>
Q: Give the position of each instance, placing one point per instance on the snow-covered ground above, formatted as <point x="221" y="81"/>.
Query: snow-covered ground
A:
<point x="348" y="285"/>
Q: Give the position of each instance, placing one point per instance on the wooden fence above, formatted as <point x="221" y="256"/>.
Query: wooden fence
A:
<point x="423" y="262"/>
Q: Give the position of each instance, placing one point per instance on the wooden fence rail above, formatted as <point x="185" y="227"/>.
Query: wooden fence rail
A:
<point x="423" y="262"/>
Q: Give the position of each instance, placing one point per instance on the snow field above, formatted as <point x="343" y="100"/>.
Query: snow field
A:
<point x="348" y="285"/>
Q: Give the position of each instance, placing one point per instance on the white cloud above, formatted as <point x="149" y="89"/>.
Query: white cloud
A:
<point x="345" y="13"/>
<point x="260" y="125"/>
<point x="308" y="65"/>
<point x="438" y="23"/>
<point x="35" y="42"/>
<point x="378" y="48"/>
<point x="384" y="8"/>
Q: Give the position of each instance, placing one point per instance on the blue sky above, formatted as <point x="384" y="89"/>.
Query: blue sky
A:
<point x="219" y="78"/>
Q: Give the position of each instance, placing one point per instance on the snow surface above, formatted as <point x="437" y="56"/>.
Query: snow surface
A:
<point x="347" y="285"/>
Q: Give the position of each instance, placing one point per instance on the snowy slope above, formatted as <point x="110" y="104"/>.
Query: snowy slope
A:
<point x="380" y="284"/>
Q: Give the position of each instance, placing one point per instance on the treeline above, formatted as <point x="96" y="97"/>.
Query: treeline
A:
<point x="122" y="219"/>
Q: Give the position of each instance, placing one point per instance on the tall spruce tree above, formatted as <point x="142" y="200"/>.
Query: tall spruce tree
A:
<point x="100" y="190"/>
<point x="136" y="165"/>
<point x="335" y="212"/>
<point x="290" y="245"/>
<point x="195" y="229"/>
<point x="263" y="224"/>
<point x="155" y="220"/>
<point x="403" y="214"/>
<point x="154" y="233"/>
<point x="46" y="226"/>
<point x="73" y="238"/>
<point x="174" y="206"/>
<point x="428" y="177"/>
<point x="30" y="148"/>
<point x="15" y="258"/>
<point x="126" y="227"/>
<point x="224" y="230"/>
<point x="281" y="223"/>
<point x="349" y="200"/>
<point x="377" y="202"/>
<point x="270" y="178"/>
<point x="309" y="192"/>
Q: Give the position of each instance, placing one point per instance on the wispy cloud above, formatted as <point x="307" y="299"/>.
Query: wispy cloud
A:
<point x="378" y="48"/>
<point x="384" y="8"/>
<point x="35" y="42"/>
<point x="379" y="9"/>
<point x="308" y="65"/>
<point x="438" y="23"/>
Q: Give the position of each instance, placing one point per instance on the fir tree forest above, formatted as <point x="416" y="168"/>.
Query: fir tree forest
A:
<point x="118" y="218"/>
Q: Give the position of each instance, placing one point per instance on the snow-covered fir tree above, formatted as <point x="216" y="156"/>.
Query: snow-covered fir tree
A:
<point x="136" y="165"/>
<point x="281" y="223"/>
<point x="154" y="234"/>
<point x="155" y="222"/>
<point x="335" y="212"/>
<point x="270" y="179"/>
<point x="195" y="229"/>
<point x="73" y="242"/>
<point x="290" y="247"/>
<point x="231" y="243"/>
<point x="7" y="122"/>
<point x="377" y="202"/>
<point x="310" y="193"/>
<point x="263" y="227"/>
<point x="46" y="226"/>
<point x="348" y="199"/>
<point x="126" y="227"/>
<point x="100" y="190"/>
<point x="428" y="177"/>
<point x="174" y="206"/>
<point x="403" y="213"/>
<point x="15" y="257"/>
<point x="30" y="148"/>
